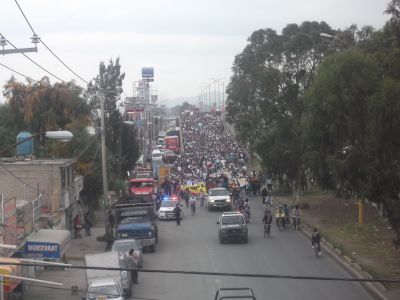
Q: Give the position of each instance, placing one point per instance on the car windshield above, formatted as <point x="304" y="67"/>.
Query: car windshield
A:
<point x="232" y="220"/>
<point x="125" y="247"/>
<point x="110" y="291"/>
<point x="168" y="203"/>
<point x="135" y="219"/>
<point x="219" y="193"/>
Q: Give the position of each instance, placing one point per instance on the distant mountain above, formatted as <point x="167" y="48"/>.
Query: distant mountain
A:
<point x="192" y="100"/>
<point x="177" y="101"/>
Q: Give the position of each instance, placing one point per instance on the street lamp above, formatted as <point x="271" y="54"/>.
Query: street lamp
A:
<point x="334" y="37"/>
<point x="62" y="135"/>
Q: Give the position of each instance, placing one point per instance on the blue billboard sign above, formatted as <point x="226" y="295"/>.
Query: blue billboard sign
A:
<point x="42" y="250"/>
<point x="148" y="73"/>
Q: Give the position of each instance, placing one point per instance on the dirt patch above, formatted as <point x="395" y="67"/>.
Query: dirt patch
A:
<point x="369" y="244"/>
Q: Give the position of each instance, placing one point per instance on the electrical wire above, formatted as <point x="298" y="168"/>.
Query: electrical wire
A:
<point x="48" y="48"/>
<point x="26" y="19"/>
<point x="12" y="70"/>
<point x="227" y="274"/>
<point x="37" y="64"/>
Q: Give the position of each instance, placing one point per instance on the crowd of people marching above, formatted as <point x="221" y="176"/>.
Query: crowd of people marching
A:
<point x="211" y="158"/>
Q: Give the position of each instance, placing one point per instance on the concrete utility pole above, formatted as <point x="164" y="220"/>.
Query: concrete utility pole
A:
<point x="3" y="42"/>
<point x="106" y="203"/>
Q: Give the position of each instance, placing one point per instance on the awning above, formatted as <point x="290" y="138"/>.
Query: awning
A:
<point x="46" y="244"/>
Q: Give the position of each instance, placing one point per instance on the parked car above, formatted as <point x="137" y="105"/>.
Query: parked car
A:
<point x="125" y="245"/>
<point x="139" y="228"/>
<point x="104" y="288"/>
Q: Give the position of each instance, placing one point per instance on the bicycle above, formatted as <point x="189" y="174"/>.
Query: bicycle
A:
<point x="267" y="229"/>
<point x="296" y="223"/>
<point x="317" y="249"/>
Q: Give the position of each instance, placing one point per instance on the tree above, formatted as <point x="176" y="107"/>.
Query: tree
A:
<point x="352" y="119"/>
<point x="265" y="94"/>
<point x="335" y="123"/>
<point x="121" y="142"/>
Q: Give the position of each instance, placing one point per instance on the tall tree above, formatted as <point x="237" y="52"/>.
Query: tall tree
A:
<point x="107" y="87"/>
<point x="265" y="95"/>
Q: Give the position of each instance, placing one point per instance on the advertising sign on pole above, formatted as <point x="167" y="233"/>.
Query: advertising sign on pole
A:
<point x="148" y="73"/>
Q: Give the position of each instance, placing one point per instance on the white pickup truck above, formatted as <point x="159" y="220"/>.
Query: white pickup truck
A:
<point x="115" y="280"/>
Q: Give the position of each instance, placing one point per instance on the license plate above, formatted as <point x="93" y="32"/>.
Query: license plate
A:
<point x="101" y="298"/>
<point x="124" y="235"/>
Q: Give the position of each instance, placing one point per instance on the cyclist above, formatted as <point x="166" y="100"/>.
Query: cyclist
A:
<point x="280" y="218"/>
<point x="287" y="215"/>
<point x="316" y="240"/>
<point x="296" y="217"/>
<point x="267" y="219"/>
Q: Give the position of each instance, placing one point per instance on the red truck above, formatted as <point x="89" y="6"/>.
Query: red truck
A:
<point x="142" y="190"/>
<point x="172" y="143"/>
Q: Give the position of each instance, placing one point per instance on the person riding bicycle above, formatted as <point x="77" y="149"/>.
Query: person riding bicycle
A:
<point x="287" y="213"/>
<point x="280" y="217"/>
<point x="267" y="219"/>
<point x="296" y="214"/>
<point x="316" y="240"/>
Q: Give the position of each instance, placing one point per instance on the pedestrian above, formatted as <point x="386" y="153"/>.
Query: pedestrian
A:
<point x="178" y="214"/>
<point x="88" y="224"/>
<point x="77" y="226"/>
<point x="111" y="222"/>
<point x="133" y="264"/>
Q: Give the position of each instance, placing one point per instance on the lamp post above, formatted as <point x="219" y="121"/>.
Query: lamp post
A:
<point x="333" y="37"/>
<point x="62" y="135"/>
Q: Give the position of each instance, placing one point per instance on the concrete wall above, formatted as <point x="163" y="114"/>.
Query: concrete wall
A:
<point x="37" y="178"/>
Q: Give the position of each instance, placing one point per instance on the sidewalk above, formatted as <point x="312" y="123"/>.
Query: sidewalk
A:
<point x="365" y="250"/>
<point x="75" y="251"/>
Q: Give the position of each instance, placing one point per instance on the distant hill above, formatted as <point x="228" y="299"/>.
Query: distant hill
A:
<point x="177" y="101"/>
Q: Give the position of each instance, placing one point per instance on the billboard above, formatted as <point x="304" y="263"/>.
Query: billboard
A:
<point x="148" y="73"/>
<point x="42" y="250"/>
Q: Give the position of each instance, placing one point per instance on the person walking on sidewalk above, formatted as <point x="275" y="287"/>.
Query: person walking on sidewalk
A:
<point x="77" y="226"/>
<point x="111" y="222"/>
<point x="88" y="224"/>
<point x="133" y="264"/>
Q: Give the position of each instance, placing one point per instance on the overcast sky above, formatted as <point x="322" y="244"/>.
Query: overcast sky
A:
<point x="186" y="41"/>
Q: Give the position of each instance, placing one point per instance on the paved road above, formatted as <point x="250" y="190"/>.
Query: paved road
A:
<point x="195" y="246"/>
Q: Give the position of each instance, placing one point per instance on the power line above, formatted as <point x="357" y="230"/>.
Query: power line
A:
<point x="12" y="70"/>
<point x="38" y="65"/>
<point x="227" y="274"/>
<point x="48" y="48"/>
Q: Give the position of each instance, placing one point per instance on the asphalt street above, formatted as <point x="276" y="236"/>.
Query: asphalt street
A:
<point x="194" y="246"/>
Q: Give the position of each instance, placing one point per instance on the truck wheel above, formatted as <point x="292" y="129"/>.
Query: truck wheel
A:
<point x="221" y="241"/>
<point x="152" y="248"/>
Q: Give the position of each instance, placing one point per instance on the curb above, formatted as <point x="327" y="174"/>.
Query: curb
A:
<point x="376" y="289"/>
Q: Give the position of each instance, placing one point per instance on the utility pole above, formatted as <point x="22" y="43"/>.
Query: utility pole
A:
<point x="209" y="96"/>
<point x="223" y="96"/>
<point x="106" y="204"/>
<point x="3" y="42"/>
